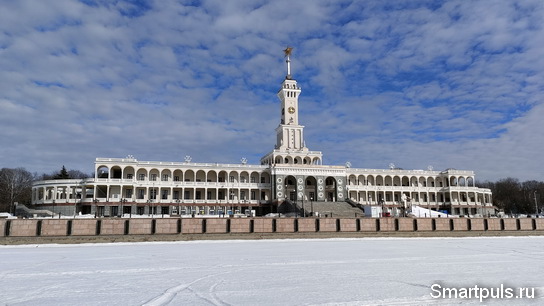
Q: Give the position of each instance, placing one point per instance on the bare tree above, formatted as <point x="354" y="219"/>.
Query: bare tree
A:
<point x="15" y="186"/>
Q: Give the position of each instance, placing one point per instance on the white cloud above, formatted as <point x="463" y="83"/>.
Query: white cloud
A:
<point x="456" y="84"/>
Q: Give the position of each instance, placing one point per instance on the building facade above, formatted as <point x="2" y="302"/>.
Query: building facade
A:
<point x="289" y="172"/>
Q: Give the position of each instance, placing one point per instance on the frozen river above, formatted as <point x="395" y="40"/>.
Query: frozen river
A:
<point x="366" y="271"/>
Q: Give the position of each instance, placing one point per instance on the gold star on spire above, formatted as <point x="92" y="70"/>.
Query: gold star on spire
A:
<point x="288" y="51"/>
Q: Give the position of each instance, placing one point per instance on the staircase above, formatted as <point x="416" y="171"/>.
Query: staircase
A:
<point x="329" y="209"/>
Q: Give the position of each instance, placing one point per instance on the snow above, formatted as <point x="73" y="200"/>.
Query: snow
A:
<point x="362" y="271"/>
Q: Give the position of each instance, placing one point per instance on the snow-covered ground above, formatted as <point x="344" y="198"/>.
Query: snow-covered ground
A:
<point x="366" y="271"/>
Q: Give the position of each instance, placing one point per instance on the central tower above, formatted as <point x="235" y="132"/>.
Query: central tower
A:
<point x="290" y="146"/>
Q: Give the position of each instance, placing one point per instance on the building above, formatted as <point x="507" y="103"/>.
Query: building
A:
<point x="289" y="173"/>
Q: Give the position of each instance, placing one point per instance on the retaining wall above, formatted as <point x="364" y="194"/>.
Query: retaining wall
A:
<point x="167" y="226"/>
<point x="54" y="227"/>
<point x="176" y="226"/>
<point x="369" y="224"/>
<point x="424" y="225"/>
<point x="23" y="228"/>
<point x="349" y="225"/>
<point x="510" y="224"/>
<point x="328" y="225"/>
<point x="494" y="225"/>
<point x="241" y="225"/>
<point x="460" y="224"/>
<point x="192" y="226"/>
<point x="306" y="225"/>
<point x="112" y="226"/>
<point x="263" y="225"/>
<point x="3" y="227"/>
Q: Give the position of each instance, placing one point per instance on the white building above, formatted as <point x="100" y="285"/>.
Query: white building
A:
<point x="290" y="171"/>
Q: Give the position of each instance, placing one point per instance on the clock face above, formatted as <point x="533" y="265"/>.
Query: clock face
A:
<point x="291" y="110"/>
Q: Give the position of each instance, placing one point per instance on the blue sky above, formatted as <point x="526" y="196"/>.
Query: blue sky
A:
<point x="453" y="84"/>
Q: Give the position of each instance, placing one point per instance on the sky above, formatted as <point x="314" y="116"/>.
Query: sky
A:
<point x="452" y="84"/>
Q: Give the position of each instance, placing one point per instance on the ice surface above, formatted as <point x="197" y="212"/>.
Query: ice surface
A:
<point x="366" y="271"/>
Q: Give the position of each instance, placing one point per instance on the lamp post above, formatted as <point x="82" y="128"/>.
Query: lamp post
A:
<point x="536" y="205"/>
<point x="312" y="205"/>
<point x="95" y="207"/>
<point x="122" y="212"/>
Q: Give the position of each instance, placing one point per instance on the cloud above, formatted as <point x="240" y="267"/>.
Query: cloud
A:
<point x="452" y="84"/>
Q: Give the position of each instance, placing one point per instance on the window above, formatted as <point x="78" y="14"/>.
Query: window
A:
<point x="164" y="194"/>
<point x="253" y="180"/>
<point x="141" y="177"/>
<point x="209" y="195"/>
<point x="232" y="179"/>
<point x="176" y="178"/>
<point x="128" y="193"/>
<point x="153" y="177"/>
<point x="165" y="178"/>
<point x="242" y="195"/>
<point x="141" y="193"/>
<point x="153" y="194"/>
<point x="176" y="195"/>
<point x="129" y="176"/>
<point x="253" y="195"/>
<point x="262" y="180"/>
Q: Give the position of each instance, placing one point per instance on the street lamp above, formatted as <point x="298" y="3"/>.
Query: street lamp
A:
<point x="312" y="205"/>
<point x="536" y="205"/>
<point x="122" y="212"/>
<point x="95" y="206"/>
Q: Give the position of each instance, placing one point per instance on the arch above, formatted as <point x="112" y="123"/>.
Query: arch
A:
<point x="413" y="181"/>
<point x="316" y="161"/>
<point x="430" y="182"/>
<point x="141" y="174"/>
<point x="470" y="182"/>
<point x="211" y="176"/>
<point x="200" y="176"/>
<point x="189" y="176"/>
<point x="397" y="181"/>
<point x="265" y="178"/>
<point x="453" y="181"/>
<point x="297" y="160"/>
<point x="288" y="160"/>
<point x="388" y="181"/>
<point x="222" y="176"/>
<point x="330" y="189"/>
<point x="422" y="181"/>
<point x="405" y="181"/>
<point x="254" y="177"/>
<point x="307" y="160"/>
<point x="361" y="180"/>
<point x="278" y="160"/>
<point x="244" y="177"/>
<point x="371" y="180"/>
<point x="290" y="184"/>
<point x="116" y="172"/>
<point x="129" y="173"/>
<point x="234" y="177"/>
<point x="352" y="180"/>
<point x="310" y="189"/>
<point x="154" y="175"/>
<point x="379" y="180"/>
<point x="178" y="175"/>
<point x="166" y="175"/>
<point x="102" y="172"/>
<point x="462" y="182"/>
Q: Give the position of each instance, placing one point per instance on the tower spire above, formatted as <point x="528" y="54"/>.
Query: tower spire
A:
<point x="287" y="53"/>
